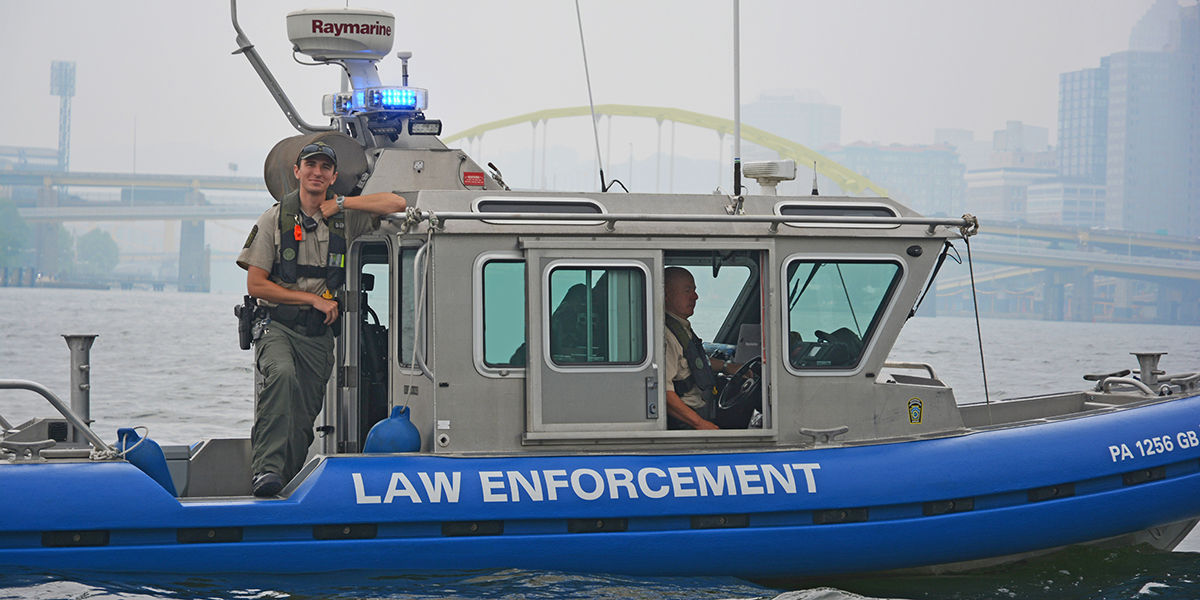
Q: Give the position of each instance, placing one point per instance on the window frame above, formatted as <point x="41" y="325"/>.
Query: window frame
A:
<point x="888" y="304"/>
<point x="544" y="314"/>
<point x="844" y="206"/>
<point x="548" y="201"/>
<point x="477" y="333"/>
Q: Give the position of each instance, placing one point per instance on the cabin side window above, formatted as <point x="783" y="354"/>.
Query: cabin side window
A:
<point x="597" y="316"/>
<point x="833" y="308"/>
<point x="503" y="313"/>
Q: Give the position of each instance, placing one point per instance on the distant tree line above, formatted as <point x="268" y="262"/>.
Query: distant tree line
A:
<point x="93" y="254"/>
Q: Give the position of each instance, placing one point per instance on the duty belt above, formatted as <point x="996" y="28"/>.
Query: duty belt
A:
<point x="302" y="319"/>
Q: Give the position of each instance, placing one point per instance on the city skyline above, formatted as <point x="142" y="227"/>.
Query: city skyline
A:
<point x="172" y="99"/>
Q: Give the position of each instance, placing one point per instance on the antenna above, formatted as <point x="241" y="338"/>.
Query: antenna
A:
<point x="814" y="191"/>
<point x="737" y="101"/>
<point x="591" y="104"/>
<point x="403" y="56"/>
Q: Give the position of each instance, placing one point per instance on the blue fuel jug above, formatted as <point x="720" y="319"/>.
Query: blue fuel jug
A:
<point x="394" y="434"/>
<point x="147" y="456"/>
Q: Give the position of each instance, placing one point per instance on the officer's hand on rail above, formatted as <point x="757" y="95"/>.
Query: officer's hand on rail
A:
<point x="379" y="203"/>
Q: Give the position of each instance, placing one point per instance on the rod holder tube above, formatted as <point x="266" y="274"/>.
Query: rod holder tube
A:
<point x="81" y="380"/>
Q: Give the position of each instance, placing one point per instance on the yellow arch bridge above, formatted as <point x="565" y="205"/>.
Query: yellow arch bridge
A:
<point x="851" y="183"/>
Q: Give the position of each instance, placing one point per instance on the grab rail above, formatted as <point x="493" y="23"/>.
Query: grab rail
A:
<point x="62" y="408"/>
<point x="912" y="365"/>
<point x="968" y="225"/>
<point x="1110" y="381"/>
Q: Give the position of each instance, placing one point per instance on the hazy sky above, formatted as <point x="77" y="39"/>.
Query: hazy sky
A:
<point x="162" y="73"/>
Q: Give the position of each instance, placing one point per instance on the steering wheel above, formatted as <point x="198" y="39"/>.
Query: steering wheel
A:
<point x="844" y="345"/>
<point x="825" y="337"/>
<point x="744" y="384"/>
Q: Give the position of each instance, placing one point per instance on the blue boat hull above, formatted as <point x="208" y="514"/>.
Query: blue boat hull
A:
<point x="784" y="513"/>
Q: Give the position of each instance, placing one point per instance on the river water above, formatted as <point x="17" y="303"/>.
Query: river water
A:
<point x="170" y="362"/>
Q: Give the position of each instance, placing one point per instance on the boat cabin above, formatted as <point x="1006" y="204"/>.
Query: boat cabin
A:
<point x="531" y="321"/>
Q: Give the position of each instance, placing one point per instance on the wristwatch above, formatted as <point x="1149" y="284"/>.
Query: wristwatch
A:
<point x="341" y="202"/>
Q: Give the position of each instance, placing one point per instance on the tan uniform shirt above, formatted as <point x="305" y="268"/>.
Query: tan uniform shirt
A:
<point x="676" y="367"/>
<point x="262" y="247"/>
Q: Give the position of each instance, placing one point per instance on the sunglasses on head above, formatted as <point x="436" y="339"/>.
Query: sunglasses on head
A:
<point x="318" y="149"/>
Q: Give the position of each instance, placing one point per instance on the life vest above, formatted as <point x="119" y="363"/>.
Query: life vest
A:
<point x="702" y="375"/>
<point x="287" y="266"/>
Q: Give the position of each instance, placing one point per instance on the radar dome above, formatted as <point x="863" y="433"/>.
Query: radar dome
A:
<point x="338" y="34"/>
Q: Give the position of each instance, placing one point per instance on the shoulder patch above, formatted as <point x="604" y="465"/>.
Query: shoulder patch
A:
<point x="250" y="238"/>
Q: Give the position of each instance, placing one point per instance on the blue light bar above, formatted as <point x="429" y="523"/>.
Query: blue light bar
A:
<point x="376" y="100"/>
<point x="401" y="99"/>
<point x="394" y="98"/>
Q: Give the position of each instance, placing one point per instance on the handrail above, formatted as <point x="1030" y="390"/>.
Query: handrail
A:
<point x="63" y="409"/>
<point x="420" y="281"/>
<point x="912" y="365"/>
<point x="967" y="225"/>
<point x="1109" y="381"/>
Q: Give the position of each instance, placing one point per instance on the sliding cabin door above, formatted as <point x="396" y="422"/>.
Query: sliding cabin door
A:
<point x="594" y="341"/>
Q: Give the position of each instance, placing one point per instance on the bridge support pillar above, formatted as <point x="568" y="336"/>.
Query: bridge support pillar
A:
<point x="1189" y="308"/>
<point x="1082" y="301"/>
<point x="193" y="253"/>
<point x="1178" y="303"/>
<point x="1053" y="295"/>
<point x="46" y="237"/>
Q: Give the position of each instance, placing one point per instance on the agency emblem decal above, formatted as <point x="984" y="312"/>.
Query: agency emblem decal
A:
<point x="914" y="411"/>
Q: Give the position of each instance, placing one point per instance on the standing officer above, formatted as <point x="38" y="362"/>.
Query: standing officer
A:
<point x="295" y="263"/>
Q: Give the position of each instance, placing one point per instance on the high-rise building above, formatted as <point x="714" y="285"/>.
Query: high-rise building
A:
<point x="929" y="179"/>
<point x="1065" y="202"/>
<point x="1021" y="146"/>
<point x="1083" y="124"/>
<point x="1158" y="28"/>
<point x="1001" y="194"/>
<point x="972" y="153"/>
<point x="799" y="115"/>
<point x="1133" y="125"/>
<point x="1147" y="151"/>
<point x="1189" y="51"/>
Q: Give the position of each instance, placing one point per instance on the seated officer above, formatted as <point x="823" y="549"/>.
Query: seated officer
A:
<point x="691" y="392"/>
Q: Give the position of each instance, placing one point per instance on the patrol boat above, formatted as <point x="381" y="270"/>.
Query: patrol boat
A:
<point x="520" y="335"/>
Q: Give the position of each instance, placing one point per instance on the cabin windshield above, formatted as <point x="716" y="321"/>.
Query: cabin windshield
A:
<point x="833" y="308"/>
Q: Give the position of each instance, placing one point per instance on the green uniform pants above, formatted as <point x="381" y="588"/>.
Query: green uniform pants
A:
<point x="292" y="372"/>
